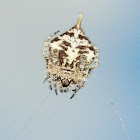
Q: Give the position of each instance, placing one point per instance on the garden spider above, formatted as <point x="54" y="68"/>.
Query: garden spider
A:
<point x="69" y="60"/>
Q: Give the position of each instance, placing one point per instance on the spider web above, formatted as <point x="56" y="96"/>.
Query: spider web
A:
<point x="113" y="104"/>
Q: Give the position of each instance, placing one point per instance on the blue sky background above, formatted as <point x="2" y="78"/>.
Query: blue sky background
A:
<point x="113" y="26"/>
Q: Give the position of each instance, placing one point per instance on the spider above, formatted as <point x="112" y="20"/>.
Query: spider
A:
<point x="68" y="59"/>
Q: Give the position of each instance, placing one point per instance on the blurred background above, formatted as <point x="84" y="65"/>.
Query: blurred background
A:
<point x="29" y="111"/>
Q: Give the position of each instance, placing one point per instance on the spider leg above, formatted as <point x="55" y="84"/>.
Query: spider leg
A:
<point x="54" y="81"/>
<point x="45" y="80"/>
<point x="44" y="54"/>
<point x="46" y="45"/>
<point x="49" y="80"/>
<point x="83" y="84"/>
<point x="60" y="85"/>
<point x="95" y="65"/>
<point x="96" y="61"/>
<point x="76" y="89"/>
<point x="46" y="68"/>
<point x="79" y="86"/>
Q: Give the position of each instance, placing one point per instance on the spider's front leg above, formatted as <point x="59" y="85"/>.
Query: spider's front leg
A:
<point x="79" y="86"/>
<point x="76" y="89"/>
<point x="44" y="53"/>
<point x="54" y="81"/>
<point x="46" y="45"/>
<point x="49" y="80"/>
<point x="60" y="85"/>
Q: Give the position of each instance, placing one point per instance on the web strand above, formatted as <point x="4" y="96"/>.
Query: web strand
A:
<point x="123" y="125"/>
<point x="120" y="119"/>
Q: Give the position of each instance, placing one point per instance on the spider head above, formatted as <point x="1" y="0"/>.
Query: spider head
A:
<point x="65" y="82"/>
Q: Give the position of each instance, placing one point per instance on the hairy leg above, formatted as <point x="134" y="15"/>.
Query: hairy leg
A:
<point x="95" y="65"/>
<point x="60" y="85"/>
<point x="46" y="46"/>
<point x="49" y="80"/>
<point x="83" y="83"/>
<point x="78" y="85"/>
<point x="55" y="81"/>
<point x="96" y="61"/>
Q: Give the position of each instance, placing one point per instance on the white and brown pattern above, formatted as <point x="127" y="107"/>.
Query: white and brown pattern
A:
<point x="70" y="57"/>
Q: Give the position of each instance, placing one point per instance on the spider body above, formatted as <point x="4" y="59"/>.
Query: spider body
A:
<point x="70" y="57"/>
